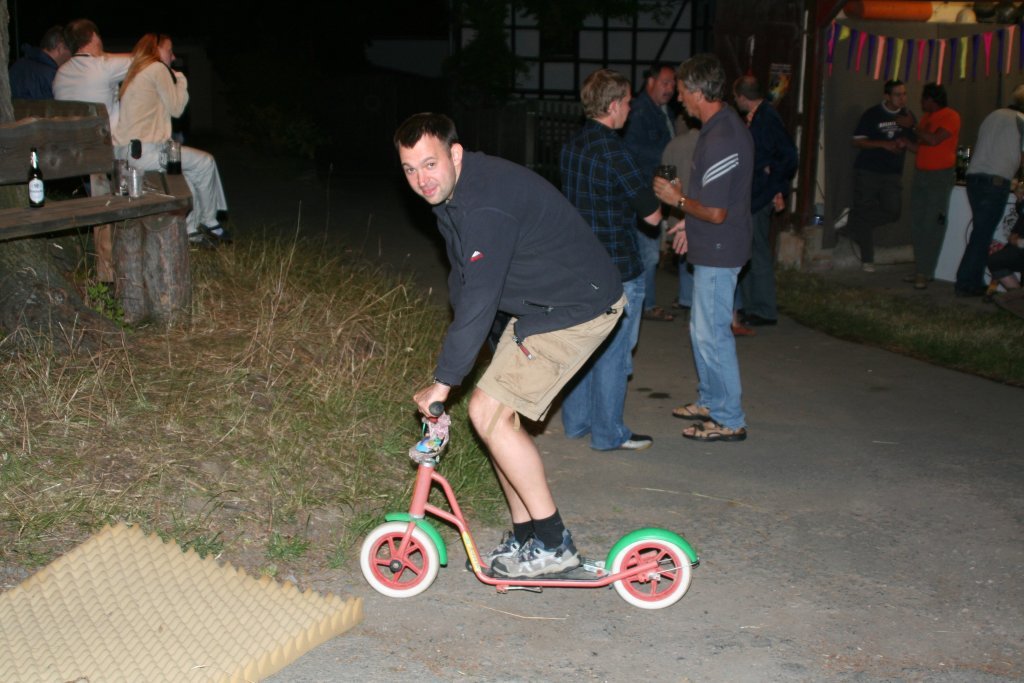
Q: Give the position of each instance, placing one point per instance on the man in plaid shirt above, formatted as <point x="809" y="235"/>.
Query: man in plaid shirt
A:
<point x="605" y="184"/>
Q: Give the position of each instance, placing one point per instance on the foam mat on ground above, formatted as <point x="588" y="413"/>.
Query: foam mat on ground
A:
<point x="124" y="606"/>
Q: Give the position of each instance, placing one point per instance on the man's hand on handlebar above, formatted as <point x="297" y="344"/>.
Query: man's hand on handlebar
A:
<point x="431" y="393"/>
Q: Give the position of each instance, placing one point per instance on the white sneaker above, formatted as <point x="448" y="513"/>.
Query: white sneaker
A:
<point x="868" y="267"/>
<point x="533" y="559"/>
<point x="636" y="442"/>
<point x="507" y="546"/>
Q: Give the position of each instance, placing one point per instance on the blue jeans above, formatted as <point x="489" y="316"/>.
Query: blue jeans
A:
<point x="714" y="347"/>
<point x="650" y="254"/>
<point x="597" y="397"/>
<point x="988" y="205"/>
<point x="757" y="286"/>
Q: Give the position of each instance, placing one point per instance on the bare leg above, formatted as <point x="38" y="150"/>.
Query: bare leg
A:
<point x="516" y="458"/>
<point x="520" y="514"/>
<point x="1010" y="282"/>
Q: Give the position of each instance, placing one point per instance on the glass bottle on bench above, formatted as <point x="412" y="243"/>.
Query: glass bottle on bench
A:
<point x="36" y="188"/>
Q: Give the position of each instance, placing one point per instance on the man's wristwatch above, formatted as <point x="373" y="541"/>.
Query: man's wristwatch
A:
<point x="682" y="203"/>
<point x="440" y="381"/>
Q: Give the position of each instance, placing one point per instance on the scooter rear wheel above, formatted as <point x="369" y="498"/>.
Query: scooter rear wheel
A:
<point x="395" y="571"/>
<point x="652" y="589"/>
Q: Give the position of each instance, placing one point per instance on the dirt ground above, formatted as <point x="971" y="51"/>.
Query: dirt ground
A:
<point x="858" y="535"/>
<point x="870" y="528"/>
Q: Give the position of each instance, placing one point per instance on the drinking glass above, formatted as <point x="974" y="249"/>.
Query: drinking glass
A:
<point x="666" y="171"/>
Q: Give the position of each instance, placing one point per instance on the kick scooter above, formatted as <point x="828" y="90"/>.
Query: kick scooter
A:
<point x="649" y="568"/>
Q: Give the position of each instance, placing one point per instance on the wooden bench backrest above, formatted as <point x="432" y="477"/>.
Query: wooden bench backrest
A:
<point x="73" y="139"/>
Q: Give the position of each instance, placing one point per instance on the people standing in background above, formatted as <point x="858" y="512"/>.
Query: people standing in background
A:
<point x="775" y="162"/>
<point x="609" y="189"/>
<point x="938" y="133"/>
<point x="32" y="75"/>
<point x="91" y="74"/>
<point x="995" y="161"/>
<point x="882" y="135"/>
<point x="716" y="235"/>
<point x="647" y="132"/>
<point x="151" y="94"/>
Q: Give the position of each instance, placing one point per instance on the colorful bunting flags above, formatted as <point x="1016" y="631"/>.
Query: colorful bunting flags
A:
<point x="886" y="56"/>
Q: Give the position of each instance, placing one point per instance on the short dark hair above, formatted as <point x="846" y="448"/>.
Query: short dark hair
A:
<point x="656" y="68"/>
<point x="891" y="85"/>
<point x="78" y="33"/>
<point x="747" y="86"/>
<point x="703" y="73"/>
<point x="936" y="93"/>
<point x="426" y="123"/>
<point x="53" y="38"/>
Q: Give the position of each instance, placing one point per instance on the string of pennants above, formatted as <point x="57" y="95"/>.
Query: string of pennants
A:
<point x="889" y="57"/>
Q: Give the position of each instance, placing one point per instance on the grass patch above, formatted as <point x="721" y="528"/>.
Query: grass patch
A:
<point x="273" y="426"/>
<point x="286" y="548"/>
<point x="985" y="343"/>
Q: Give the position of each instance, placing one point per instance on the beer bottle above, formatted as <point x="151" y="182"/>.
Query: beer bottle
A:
<point x="36" y="189"/>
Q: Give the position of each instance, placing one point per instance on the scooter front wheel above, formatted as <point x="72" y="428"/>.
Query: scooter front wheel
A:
<point x="396" y="571"/>
<point x="656" y="588"/>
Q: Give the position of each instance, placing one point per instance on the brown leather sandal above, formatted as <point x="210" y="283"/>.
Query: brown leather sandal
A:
<point x="692" y="411"/>
<point x="658" y="313"/>
<point x="710" y="430"/>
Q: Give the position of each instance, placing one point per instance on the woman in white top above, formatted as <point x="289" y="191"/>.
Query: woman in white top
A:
<point x="151" y="94"/>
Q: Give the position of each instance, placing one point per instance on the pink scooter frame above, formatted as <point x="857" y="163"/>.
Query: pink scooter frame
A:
<point x="650" y="568"/>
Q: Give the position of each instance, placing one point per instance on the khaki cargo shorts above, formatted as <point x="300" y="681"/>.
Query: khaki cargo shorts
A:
<point x="528" y="384"/>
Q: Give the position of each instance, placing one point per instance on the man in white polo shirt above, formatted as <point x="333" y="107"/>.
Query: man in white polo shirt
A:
<point x="91" y="75"/>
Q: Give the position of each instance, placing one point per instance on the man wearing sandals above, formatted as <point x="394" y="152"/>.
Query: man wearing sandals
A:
<point x="516" y="246"/>
<point x="715" y="233"/>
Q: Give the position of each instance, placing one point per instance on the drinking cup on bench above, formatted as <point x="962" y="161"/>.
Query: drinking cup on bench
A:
<point x="173" y="157"/>
<point x="135" y="176"/>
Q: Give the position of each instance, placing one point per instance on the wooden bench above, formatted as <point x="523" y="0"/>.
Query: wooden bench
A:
<point x="149" y="251"/>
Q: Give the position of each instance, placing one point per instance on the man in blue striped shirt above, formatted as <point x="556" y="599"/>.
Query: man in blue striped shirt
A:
<point x="603" y="181"/>
<point x="715" y="233"/>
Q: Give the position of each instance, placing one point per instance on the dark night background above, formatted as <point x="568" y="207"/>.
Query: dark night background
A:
<point x="291" y="77"/>
<point x="324" y="35"/>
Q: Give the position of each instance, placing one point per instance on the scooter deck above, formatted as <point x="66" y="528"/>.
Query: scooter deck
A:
<point x="589" y="570"/>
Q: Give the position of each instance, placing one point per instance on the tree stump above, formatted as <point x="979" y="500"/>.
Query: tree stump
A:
<point x="130" y="288"/>
<point x="154" y="281"/>
<point x="165" y="267"/>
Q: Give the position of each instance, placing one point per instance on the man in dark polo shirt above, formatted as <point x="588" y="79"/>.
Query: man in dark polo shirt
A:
<point x="882" y="135"/>
<point x="715" y="233"/>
